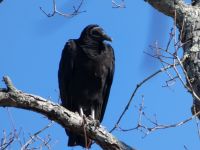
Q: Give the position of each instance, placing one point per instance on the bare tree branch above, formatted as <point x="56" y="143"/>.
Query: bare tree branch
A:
<point x="118" y="5"/>
<point x="171" y="60"/>
<point x="156" y="126"/>
<point x="35" y="135"/>
<point x="16" y="140"/>
<point x="72" y="121"/>
<point x="188" y="84"/>
<point x="56" y="11"/>
<point x="187" y="20"/>
<point x="7" y="140"/>
<point x="135" y="91"/>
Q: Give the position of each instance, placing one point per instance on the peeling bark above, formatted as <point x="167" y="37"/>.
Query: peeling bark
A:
<point x="12" y="97"/>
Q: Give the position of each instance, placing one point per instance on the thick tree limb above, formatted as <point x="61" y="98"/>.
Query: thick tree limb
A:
<point x="169" y="6"/>
<point x="11" y="97"/>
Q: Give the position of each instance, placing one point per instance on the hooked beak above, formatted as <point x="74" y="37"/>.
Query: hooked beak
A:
<point x="106" y="37"/>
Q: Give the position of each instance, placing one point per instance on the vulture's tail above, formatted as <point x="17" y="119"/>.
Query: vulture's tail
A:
<point x="75" y="140"/>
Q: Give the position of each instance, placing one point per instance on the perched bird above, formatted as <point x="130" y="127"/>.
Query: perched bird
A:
<point x="85" y="76"/>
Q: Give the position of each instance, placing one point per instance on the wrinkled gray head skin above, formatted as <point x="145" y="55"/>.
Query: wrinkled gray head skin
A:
<point x="94" y="32"/>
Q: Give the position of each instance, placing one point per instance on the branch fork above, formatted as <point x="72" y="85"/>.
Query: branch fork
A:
<point x="12" y="97"/>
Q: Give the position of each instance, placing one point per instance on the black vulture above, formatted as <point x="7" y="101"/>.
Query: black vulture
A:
<point x="85" y="76"/>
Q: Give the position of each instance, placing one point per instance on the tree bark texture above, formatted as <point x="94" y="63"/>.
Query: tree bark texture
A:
<point x="187" y="19"/>
<point x="11" y="97"/>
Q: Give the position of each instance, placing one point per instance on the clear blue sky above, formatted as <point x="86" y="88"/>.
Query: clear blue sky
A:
<point x="31" y="45"/>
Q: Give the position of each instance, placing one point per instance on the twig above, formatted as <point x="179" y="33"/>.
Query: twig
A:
<point x="11" y="119"/>
<point x="185" y="147"/>
<point x="32" y="137"/>
<point x="190" y="89"/>
<point x="55" y="11"/>
<point x="182" y="31"/>
<point x="172" y="125"/>
<point x="172" y="60"/>
<point x="116" y="5"/>
<point x="155" y="123"/>
<point x="198" y="127"/>
<point x="177" y="45"/>
<point x="4" y="143"/>
<point x="44" y="142"/>
<point x="134" y="92"/>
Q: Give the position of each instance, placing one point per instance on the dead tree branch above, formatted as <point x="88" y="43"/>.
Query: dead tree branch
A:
<point x="118" y="5"/>
<point x="187" y="21"/>
<point x="156" y="126"/>
<point x="17" y="139"/>
<point x="168" y="59"/>
<point x="11" y="97"/>
<point x="135" y="91"/>
<point x="56" y="11"/>
<point x="34" y="136"/>
<point x="7" y="140"/>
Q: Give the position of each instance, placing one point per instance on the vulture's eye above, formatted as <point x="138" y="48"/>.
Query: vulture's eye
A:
<point x="95" y="33"/>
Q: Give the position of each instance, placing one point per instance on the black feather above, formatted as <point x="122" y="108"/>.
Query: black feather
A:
<point x="85" y="76"/>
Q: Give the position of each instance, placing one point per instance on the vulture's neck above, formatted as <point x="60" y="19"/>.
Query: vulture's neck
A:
<point x="91" y="44"/>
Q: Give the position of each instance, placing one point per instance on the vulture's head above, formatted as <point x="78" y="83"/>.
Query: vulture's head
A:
<point x="95" y="32"/>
